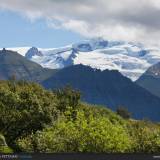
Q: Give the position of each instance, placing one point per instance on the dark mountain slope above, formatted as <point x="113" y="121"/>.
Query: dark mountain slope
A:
<point x="11" y="63"/>
<point x="150" y="80"/>
<point x="107" y="88"/>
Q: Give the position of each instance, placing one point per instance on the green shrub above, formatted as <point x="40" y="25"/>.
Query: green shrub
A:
<point x="81" y="135"/>
<point x="123" y="112"/>
<point x="25" y="108"/>
<point x="5" y="149"/>
<point x="3" y="146"/>
<point x="145" y="137"/>
<point x="68" y="100"/>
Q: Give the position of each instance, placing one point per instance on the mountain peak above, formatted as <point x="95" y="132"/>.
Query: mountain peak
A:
<point x="33" y="52"/>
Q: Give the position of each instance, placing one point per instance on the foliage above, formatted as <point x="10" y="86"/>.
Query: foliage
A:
<point x="68" y="100"/>
<point x="145" y="136"/>
<point x="24" y="108"/>
<point x="5" y="149"/>
<point x="123" y="112"/>
<point x="33" y="119"/>
<point x="82" y="135"/>
<point x="3" y="146"/>
<point x="101" y="111"/>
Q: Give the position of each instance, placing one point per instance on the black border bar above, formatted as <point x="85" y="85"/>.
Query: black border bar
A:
<point x="79" y="156"/>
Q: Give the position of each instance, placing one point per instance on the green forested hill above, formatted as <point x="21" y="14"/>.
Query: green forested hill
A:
<point x="33" y="119"/>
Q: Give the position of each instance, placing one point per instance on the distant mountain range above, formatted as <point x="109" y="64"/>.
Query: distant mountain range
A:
<point x="131" y="59"/>
<point x="103" y="86"/>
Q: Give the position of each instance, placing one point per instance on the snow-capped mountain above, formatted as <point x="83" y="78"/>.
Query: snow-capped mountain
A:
<point x="131" y="59"/>
<point x="33" y="52"/>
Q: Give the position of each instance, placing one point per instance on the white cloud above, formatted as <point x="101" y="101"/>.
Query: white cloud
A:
<point x="131" y="20"/>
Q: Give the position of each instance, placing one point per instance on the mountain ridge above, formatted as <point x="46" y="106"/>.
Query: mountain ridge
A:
<point x="131" y="59"/>
<point x="109" y="88"/>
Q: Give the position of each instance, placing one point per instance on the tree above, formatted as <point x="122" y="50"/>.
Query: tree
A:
<point x="123" y="112"/>
<point x="68" y="100"/>
<point x="25" y="109"/>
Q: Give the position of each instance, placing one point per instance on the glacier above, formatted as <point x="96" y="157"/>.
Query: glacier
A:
<point x="129" y="58"/>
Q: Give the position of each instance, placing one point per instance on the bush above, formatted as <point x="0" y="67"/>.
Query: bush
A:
<point x="68" y="97"/>
<point x="68" y="100"/>
<point x="5" y="149"/>
<point x="82" y="135"/>
<point x="25" y="108"/>
<point x="3" y="146"/>
<point x="145" y="137"/>
<point x="123" y="112"/>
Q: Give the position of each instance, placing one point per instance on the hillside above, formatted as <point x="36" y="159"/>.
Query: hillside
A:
<point x="150" y="80"/>
<point x="37" y="120"/>
<point x="13" y="64"/>
<point x="108" y="88"/>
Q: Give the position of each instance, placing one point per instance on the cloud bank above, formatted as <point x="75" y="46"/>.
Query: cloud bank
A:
<point x="129" y="20"/>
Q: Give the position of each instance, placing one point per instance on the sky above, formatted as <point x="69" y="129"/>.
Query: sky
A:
<point x="18" y="31"/>
<point x="54" y="23"/>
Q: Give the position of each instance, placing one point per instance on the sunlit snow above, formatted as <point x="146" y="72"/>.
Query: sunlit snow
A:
<point x="131" y="59"/>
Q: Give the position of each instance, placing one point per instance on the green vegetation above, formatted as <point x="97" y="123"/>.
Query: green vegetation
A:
<point x="145" y="136"/>
<point x="123" y="112"/>
<point x="36" y="120"/>
<point x="85" y="134"/>
<point x="24" y="109"/>
<point x="3" y="146"/>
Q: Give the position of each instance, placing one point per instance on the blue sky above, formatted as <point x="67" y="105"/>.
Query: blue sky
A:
<point x="17" y="30"/>
<point x="23" y="22"/>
